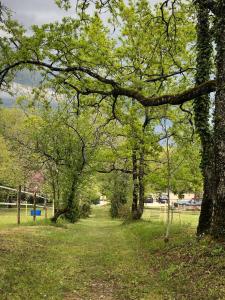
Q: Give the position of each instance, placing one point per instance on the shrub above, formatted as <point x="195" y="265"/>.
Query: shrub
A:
<point x="85" y="210"/>
<point x="124" y="212"/>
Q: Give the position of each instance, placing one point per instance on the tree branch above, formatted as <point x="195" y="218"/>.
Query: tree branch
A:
<point x="173" y="99"/>
<point x="113" y="168"/>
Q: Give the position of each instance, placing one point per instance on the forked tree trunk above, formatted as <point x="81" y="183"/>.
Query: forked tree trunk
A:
<point x="218" y="222"/>
<point x="70" y="211"/>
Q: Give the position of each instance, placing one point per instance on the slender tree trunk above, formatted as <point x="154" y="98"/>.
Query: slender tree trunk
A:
<point x="141" y="169"/>
<point x="141" y="180"/>
<point x="135" y="210"/>
<point x="53" y="193"/>
<point x="168" y="221"/>
<point x="218" y="222"/>
<point x="201" y="109"/>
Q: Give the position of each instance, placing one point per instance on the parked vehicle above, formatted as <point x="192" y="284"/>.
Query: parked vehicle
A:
<point x="183" y="202"/>
<point x="149" y="199"/>
<point x="195" y="203"/>
<point x="163" y="199"/>
<point x="191" y="202"/>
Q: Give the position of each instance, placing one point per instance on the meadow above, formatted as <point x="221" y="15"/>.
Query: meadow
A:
<point x="100" y="258"/>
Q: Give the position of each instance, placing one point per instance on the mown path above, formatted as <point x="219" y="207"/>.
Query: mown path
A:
<point x="99" y="258"/>
<point x="95" y="259"/>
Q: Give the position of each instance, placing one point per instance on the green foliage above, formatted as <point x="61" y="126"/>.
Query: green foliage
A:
<point x="75" y="124"/>
<point x="119" y="195"/>
<point x="85" y="210"/>
<point x="73" y="213"/>
<point x="53" y="141"/>
<point x="117" y="187"/>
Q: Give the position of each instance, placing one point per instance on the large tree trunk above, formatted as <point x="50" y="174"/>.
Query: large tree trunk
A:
<point x="205" y="217"/>
<point x="218" y="222"/>
<point x="201" y="109"/>
<point x="70" y="212"/>
<point x="58" y="213"/>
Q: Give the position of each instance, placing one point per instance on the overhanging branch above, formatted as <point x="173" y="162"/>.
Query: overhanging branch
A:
<point x="173" y="99"/>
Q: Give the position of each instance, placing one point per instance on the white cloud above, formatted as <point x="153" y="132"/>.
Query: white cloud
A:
<point x="30" y="12"/>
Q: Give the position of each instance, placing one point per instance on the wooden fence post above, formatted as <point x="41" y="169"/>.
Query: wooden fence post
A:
<point x="18" y="204"/>
<point x="34" y="208"/>
<point x="46" y="212"/>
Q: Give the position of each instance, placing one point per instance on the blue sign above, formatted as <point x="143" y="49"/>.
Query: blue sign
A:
<point x="36" y="212"/>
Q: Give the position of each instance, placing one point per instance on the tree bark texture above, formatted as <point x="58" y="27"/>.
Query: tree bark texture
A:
<point x="218" y="221"/>
<point x="71" y="211"/>
<point x="135" y="210"/>
<point x="141" y="179"/>
<point x="202" y="113"/>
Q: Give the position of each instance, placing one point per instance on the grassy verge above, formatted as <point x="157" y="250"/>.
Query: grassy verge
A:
<point x="100" y="258"/>
<point x="184" y="268"/>
<point x="8" y="216"/>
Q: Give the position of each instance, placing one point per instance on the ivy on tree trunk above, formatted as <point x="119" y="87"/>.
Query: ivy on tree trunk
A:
<point x="201" y="108"/>
<point x="218" y="221"/>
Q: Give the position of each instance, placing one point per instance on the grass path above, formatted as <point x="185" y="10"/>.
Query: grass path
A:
<point x="99" y="258"/>
<point x="93" y="259"/>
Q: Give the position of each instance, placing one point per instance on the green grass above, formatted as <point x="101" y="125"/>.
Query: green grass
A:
<point x="180" y="216"/>
<point x="8" y="216"/>
<point x="99" y="258"/>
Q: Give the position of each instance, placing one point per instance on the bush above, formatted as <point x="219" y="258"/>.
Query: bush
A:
<point x="95" y="201"/>
<point x="124" y="212"/>
<point x="73" y="214"/>
<point x="85" y="210"/>
<point x="114" y="209"/>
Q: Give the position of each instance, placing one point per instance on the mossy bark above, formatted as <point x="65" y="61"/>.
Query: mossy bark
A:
<point x="141" y="179"/>
<point x="202" y="110"/>
<point x="71" y="211"/>
<point x="218" y="222"/>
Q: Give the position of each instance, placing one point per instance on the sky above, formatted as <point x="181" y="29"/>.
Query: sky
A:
<point x="30" y="12"/>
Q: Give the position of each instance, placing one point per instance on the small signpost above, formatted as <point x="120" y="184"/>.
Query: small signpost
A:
<point x="37" y="212"/>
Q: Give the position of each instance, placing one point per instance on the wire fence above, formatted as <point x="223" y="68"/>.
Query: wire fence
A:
<point x="22" y="211"/>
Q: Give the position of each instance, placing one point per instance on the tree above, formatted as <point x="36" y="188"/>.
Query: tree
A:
<point x="202" y="115"/>
<point x="55" y="143"/>
<point x="101" y="74"/>
<point x="117" y="187"/>
<point x="130" y="144"/>
<point x="16" y="166"/>
<point x="218" y="221"/>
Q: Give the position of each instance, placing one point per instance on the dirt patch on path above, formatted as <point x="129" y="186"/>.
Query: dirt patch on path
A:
<point x="98" y="291"/>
